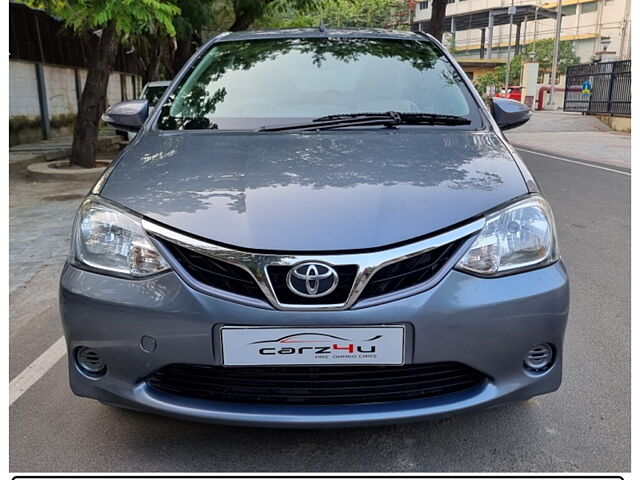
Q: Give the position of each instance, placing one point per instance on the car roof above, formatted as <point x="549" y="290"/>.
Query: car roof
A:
<point x="321" y="32"/>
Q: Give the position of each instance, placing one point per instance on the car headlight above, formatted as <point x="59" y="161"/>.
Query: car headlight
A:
<point x="109" y="239"/>
<point x="520" y="237"/>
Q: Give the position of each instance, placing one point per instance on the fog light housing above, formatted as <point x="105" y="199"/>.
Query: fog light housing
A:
<point x="90" y="361"/>
<point x="539" y="358"/>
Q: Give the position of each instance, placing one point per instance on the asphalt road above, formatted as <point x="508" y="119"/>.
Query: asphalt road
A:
<point x="585" y="426"/>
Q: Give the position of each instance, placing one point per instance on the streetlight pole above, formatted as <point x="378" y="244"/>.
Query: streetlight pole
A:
<point x="554" y="66"/>
<point x="535" y="30"/>
<point x="508" y="69"/>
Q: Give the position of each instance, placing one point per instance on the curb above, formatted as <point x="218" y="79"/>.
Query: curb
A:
<point x="47" y="172"/>
<point x="19" y="161"/>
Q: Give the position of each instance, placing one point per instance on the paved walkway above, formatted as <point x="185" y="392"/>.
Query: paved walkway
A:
<point x="40" y="219"/>
<point x="20" y="156"/>
<point x="573" y="135"/>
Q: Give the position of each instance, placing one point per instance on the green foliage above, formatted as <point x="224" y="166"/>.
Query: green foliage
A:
<point x="238" y="15"/>
<point x="194" y="15"/>
<point x="332" y="13"/>
<point x="544" y="57"/>
<point x="489" y="79"/>
<point x="130" y="17"/>
<point x="544" y="54"/>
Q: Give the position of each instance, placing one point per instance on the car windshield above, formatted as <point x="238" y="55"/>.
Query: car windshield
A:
<point x="244" y="85"/>
<point x="153" y="94"/>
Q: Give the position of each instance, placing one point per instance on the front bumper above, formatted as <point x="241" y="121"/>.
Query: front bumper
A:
<point x="487" y="324"/>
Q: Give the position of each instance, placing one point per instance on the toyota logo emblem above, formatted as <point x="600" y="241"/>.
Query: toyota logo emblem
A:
<point x="312" y="280"/>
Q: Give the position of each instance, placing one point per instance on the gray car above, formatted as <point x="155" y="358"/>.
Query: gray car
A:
<point x="315" y="227"/>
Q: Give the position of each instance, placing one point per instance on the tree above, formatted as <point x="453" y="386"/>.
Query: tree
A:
<point x="160" y="56"/>
<point x="112" y="21"/>
<point x="194" y="16"/>
<point x="334" y="13"/>
<point x="543" y="56"/>
<point x="246" y="12"/>
<point x="438" y="12"/>
<point x="486" y="80"/>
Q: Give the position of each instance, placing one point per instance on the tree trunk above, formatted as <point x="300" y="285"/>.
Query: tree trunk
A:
<point x="246" y="14"/>
<point x="436" y="25"/>
<point x="242" y="22"/>
<point x="93" y="99"/>
<point x="183" y="53"/>
<point x="153" y="69"/>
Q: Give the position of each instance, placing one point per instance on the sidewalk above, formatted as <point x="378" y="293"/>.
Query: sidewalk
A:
<point x="40" y="219"/>
<point x="20" y="156"/>
<point x="575" y="136"/>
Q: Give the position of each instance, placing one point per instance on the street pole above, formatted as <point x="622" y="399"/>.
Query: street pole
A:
<point x="490" y="41"/>
<point x="535" y="30"/>
<point x="526" y="19"/>
<point x="507" y="70"/>
<point x="554" y="66"/>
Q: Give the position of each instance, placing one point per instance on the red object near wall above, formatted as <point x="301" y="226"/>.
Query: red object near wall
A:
<point x="513" y="93"/>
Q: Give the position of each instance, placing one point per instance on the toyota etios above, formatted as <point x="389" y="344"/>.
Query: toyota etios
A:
<point x="315" y="227"/>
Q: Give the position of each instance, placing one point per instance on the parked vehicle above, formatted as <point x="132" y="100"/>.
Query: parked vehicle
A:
<point x="513" y="93"/>
<point x="316" y="227"/>
<point x="152" y="92"/>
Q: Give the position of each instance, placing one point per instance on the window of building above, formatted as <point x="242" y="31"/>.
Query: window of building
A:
<point x="450" y="1"/>
<point x="423" y="5"/>
<point x="589" y="7"/>
<point x="569" y="10"/>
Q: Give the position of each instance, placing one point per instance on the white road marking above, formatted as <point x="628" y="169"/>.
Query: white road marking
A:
<point x="36" y="370"/>
<point x="574" y="161"/>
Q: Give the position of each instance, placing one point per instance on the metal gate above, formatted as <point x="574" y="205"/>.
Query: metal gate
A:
<point x="599" y="88"/>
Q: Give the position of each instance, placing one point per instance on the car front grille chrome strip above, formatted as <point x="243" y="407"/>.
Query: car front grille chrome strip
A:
<point x="257" y="263"/>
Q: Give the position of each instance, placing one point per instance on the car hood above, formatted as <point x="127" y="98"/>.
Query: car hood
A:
<point x="320" y="191"/>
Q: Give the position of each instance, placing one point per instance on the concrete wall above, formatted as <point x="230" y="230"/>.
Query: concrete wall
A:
<point x="62" y="99"/>
<point x="61" y="90"/>
<point x="23" y="89"/>
<point x="619" y="124"/>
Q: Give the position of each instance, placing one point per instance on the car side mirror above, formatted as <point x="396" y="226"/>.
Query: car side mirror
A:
<point x="508" y="113"/>
<point x="128" y="116"/>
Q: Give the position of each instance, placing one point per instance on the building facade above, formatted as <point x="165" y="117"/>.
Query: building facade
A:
<point x="584" y="22"/>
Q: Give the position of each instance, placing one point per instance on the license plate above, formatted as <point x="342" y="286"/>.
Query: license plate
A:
<point x="383" y="345"/>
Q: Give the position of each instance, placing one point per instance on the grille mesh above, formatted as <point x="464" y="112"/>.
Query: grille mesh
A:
<point x="231" y="278"/>
<point x="410" y="272"/>
<point x="216" y="273"/>
<point x="316" y="385"/>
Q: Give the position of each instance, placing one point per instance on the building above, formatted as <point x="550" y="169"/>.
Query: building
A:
<point x="584" y="22"/>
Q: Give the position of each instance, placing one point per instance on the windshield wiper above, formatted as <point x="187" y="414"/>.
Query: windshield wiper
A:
<point x="387" y="119"/>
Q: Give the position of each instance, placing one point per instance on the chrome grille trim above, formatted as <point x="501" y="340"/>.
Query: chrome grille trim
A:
<point x="256" y="263"/>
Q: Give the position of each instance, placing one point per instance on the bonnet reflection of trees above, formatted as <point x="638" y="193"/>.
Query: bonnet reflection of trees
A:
<point x="223" y="169"/>
<point x="199" y="102"/>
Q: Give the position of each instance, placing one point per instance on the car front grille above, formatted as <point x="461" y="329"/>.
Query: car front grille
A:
<point x="410" y="272"/>
<point x="231" y="278"/>
<point x="327" y="385"/>
<point x="216" y="273"/>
